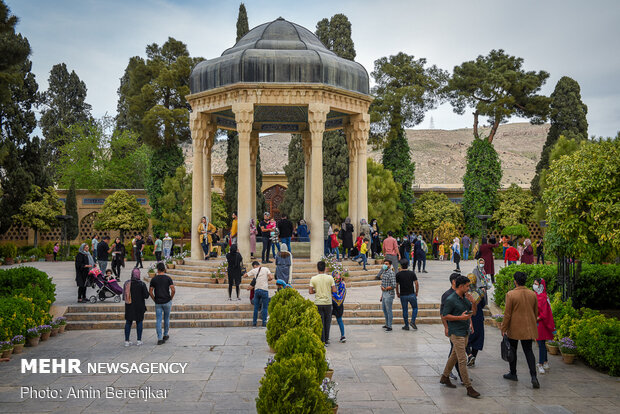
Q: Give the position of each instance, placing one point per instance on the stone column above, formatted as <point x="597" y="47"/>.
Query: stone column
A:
<point x="306" y="142"/>
<point x="244" y="116"/>
<point x="317" y="114"/>
<point x="352" y="147"/>
<point x="254" y="143"/>
<point x="211" y="128"/>
<point x="197" y="123"/>
<point x="361" y="128"/>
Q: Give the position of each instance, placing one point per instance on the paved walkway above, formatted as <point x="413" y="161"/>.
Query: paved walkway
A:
<point x="377" y="372"/>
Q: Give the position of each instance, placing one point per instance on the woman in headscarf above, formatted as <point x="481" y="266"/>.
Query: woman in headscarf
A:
<point x="284" y="263"/>
<point x="83" y="263"/>
<point x="528" y="252"/>
<point x="347" y="237"/>
<point x="546" y="325"/>
<point x="253" y="233"/>
<point x="456" y="253"/>
<point x="205" y="229"/>
<point x="135" y="294"/>
<point x="478" y="289"/>
<point x="486" y="253"/>
<point x="302" y="231"/>
<point x="365" y="228"/>
<point x="338" y="302"/>
<point x="235" y="261"/>
<point x="375" y="243"/>
<point x="118" y="257"/>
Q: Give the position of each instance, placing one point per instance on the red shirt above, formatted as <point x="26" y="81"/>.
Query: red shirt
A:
<point x="512" y="254"/>
<point x="390" y="246"/>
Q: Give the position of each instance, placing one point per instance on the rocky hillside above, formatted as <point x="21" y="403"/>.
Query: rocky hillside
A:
<point x="439" y="154"/>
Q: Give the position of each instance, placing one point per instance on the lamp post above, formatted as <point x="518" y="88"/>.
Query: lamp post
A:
<point x="65" y="243"/>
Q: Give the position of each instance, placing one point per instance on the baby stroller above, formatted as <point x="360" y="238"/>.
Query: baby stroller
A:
<point x="105" y="288"/>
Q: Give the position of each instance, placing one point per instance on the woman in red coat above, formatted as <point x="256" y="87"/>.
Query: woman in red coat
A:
<point x="528" y="252"/>
<point x="486" y="253"/>
<point x="546" y="325"/>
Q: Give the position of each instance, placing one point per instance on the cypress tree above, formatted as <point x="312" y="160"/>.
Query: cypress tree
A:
<point x="568" y="118"/>
<point x="293" y="203"/>
<point x="242" y="22"/>
<point x="73" y="225"/>
<point x="335" y="172"/>
<point x="397" y="158"/>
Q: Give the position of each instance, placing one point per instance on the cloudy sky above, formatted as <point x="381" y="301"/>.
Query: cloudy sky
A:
<point x="563" y="37"/>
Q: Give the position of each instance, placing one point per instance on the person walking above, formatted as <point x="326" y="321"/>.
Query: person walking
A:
<point x="83" y="263"/>
<point x="442" y="251"/>
<point x="346" y="234"/>
<point x="274" y="234"/>
<point x="436" y="248"/>
<point x="266" y="237"/>
<point x="118" y="257"/>
<point x="520" y="315"/>
<point x="486" y="253"/>
<point x="303" y="235"/>
<point x="390" y="250"/>
<point x="457" y="312"/>
<point x="253" y="234"/>
<point x="286" y="231"/>
<point x="56" y="250"/>
<point x="205" y="229"/>
<point x="138" y="251"/>
<point x="235" y="261"/>
<point x="284" y="263"/>
<point x="158" y="248"/>
<point x="233" y="229"/>
<point x="260" y="284"/>
<point x="456" y="253"/>
<point x="338" y="302"/>
<point x="322" y="286"/>
<point x="445" y="296"/>
<point x="162" y="292"/>
<point x="334" y="245"/>
<point x="327" y="231"/>
<point x="540" y="252"/>
<point x="375" y="242"/>
<point x="167" y="244"/>
<point x="362" y="257"/>
<point x="405" y="281"/>
<point x="388" y="286"/>
<point x="135" y="294"/>
<point x="94" y="242"/>
<point x="546" y="325"/>
<point x="475" y="343"/>
<point x="103" y="249"/>
<point x="528" y="252"/>
<point x="466" y="244"/>
<point x="419" y="251"/>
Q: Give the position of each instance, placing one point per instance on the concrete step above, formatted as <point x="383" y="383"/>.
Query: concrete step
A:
<point x="297" y="273"/>
<point x="245" y="284"/>
<point x="208" y="277"/>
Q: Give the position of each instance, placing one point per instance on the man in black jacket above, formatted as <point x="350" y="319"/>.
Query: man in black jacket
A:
<point x="102" y="253"/>
<point x="286" y="231"/>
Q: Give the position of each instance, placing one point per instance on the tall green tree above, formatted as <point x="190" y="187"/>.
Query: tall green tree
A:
<point x="18" y="95"/>
<point x="497" y="87"/>
<point x="121" y="211"/>
<point x="242" y="22"/>
<point x="39" y="211"/>
<point x="432" y="208"/>
<point x="63" y="104"/>
<point x="397" y="158"/>
<point x="335" y="34"/>
<point x="176" y="203"/>
<point x="163" y="163"/>
<point x="515" y="207"/>
<point x="481" y="181"/>
<point x="568" y="119"/>
<point x="293" y="203"/>
<point x="73" y="225"/>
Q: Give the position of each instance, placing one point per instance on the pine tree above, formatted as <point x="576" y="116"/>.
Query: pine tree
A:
<point x="568" y="118"/>
<point x="293" y="203"/>
<point x="73" y="225"/>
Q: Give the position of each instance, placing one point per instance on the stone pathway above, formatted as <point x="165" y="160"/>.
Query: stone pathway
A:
<point x="377" y="372"/>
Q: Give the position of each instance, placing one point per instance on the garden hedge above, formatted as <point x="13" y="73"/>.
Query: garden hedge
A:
<point x="295" y="312"/>
<point x="302" y="340"/>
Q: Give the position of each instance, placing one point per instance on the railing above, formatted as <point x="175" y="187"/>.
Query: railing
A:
<point x="568" y="272"/>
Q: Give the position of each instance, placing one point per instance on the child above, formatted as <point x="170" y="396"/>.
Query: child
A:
<point x="108" y="274"/>
<point x="334" y="245"/>
<point x="274" y="235"/>
<point x="362" y="257"/>
<point x="441" y="251"/>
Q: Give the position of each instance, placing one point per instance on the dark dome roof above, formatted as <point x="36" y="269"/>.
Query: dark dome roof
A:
<point x="279" y="52"/>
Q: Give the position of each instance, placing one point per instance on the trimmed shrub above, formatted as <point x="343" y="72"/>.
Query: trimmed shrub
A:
<point x="598" y="341"/>
<point x="18" y="314"/>
<point x="295" y="312"/>
<point x="29" y="282"/>
<point x="8" y="250"/>
<point x="302" y="340"/>
<point x="291" y="386"/>
<point x="504" y="281"/>
<point x="283" y="296"/>
<point x="36" y="252"/>
<point x="597" y="286"/>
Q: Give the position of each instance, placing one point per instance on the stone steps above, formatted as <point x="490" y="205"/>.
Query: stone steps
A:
<point x="246" y="284"/>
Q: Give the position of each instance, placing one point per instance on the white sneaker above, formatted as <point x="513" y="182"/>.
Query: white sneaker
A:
<point x="541" y="370"/>
<point x="138" y="343"/>
<point x="127" y="343"/>
<point x="546" y="366"/>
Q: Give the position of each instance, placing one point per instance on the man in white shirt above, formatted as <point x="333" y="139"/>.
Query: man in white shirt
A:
<point x="262" y="277"/>
<point x="322" y="285"/>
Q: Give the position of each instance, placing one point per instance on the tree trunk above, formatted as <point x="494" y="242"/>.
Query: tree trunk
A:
<point x="122" y="237"/>
<point x="493" y="130"/>
<point x="476" y="125"/>
<point x="36" y="237"/>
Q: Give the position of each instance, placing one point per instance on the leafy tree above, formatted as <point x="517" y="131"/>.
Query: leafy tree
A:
<point x="335" y="34"/>
<point x="481" y="181"/>
<point x="583" y="199"/>
<point x="397" y="158"/>
<point x="35" y="159"/>
<point x="446" y="232"/>
<point x="176" y="203"/>
<point x="73" y="225"/>
<point x="432" y="208"/>
<point x="516" y="231"/>
<point x="405" y="90"/>
<point x="219" y="216"/>
<point x="64" y="104"/>
<point x="568" y="119"/>
<point x="293" y="203"/>
<point x="39" y="211"/>
<point x="121" y="211"/>
<point x="382" y="197"/>
<point x="497" y="87"/>
<point x="162" y="164"/>
<point x="242" y="22"/>
<point x="515" y="207"/>
<point x="18" y="95"/>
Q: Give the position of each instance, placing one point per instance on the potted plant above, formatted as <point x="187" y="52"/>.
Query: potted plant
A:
<point x="169" y="263"/>
<point x="49" y="252"/>
<point x="379" y="259"/>
<point x="9" y="252"/>
<point x="45" y="331"/>
<point x="330" y="371"/>
<point x="62" y="324"/>
<point x="331" y="393"/>
<point x="18" y="344"/>
<point x="568" y="350"/>
<point x="220" y="273"/>
<point x="553" y="347"/>
<point x="151" y="271"/>
<point x="499" y="318"/>
<point x="32" y="337"/>
<point x="6" y="348"/>
<point x="270" y="361"/>
<point x="180" y="258"/>
<point x="55" y="327"/>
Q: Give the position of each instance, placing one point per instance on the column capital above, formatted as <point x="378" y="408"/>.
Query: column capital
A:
<point x="244" y="117"/>
<point x="317" y="115"/>
<point x="202" y="127"/>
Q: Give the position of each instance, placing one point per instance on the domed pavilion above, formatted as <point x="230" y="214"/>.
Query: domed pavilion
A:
<point x="279" y="78"/>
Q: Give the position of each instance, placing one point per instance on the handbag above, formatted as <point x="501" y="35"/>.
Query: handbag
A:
<point x="508" y="352"/>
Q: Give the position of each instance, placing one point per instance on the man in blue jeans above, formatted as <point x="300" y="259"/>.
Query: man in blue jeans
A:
<point x="164" y="291"/>
<point x="260" y="282"/>
<point x="466" y="244"/>
<point x="405" y="281"/>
